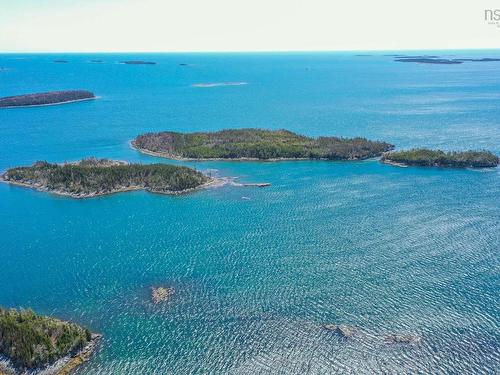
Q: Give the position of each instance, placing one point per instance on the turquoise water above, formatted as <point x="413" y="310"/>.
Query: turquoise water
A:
<point x="258" y="271"/>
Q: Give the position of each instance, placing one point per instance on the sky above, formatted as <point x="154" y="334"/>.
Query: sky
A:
<point x="244" y="25"/>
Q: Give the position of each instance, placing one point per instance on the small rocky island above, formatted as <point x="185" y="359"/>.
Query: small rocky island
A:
<point x="138" y="62"/>
<point x="46" y="98"/>
<point x="30" y="343"/>
<point x="437" y="158"/>
<point x="161" y="294"/>
<point x="94" y="177"/>
<point x="256" y="144"/>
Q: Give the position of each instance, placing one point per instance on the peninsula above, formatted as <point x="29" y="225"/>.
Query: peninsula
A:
<point x="94" y="177"/>
<point x="45" y="98"/>
<point x="30" y="343"/>
<point x="437" y="158"/>
<point x="256" y="144"/>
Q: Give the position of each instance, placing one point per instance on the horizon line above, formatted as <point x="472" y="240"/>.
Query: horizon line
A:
<point x="257" y="51"/>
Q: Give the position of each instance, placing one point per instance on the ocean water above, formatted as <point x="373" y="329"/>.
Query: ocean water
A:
<point x="257" y="272"/>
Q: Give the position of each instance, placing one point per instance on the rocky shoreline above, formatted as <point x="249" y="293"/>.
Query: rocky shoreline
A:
<point x="213" y="183"/>
<point x="63" y="366"/>
<point x="92" y="177"/>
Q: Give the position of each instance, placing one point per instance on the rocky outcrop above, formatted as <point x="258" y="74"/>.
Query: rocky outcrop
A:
<point x="402" y="339"/>
<point x="342" y="330"/>
<point x="161" y="294"/>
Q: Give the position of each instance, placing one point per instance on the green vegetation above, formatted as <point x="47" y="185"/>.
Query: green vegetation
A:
<point x="91" y="177"/>
<point x="438" y="158"/>
<point x="30" y="340"/>
<point x="45" y="98"/>
<point x="257" y="144"/>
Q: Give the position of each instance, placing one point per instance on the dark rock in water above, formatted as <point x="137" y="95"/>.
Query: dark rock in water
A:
<point x="138" y="62"/>
<point x="45" y="98"/>
<point x="342" y="330"/>
<point x="257" y="184"/>
<point x="61" y="61"/>
<point x="402" y="339"/>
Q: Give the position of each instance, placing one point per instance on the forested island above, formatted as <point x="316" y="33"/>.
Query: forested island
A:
<point x="256" y="144"/>
<point x="438" y="158"/>
<point x="93" y="177"/>
<point x="30" y="342"/>
<point x="45" y="98"/>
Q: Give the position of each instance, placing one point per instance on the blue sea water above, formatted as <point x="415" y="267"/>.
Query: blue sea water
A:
<point x="257" y="272"/>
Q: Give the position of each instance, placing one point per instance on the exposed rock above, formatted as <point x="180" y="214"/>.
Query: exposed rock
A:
<point x="402" y="339"/>
<point x="161" y="294"/>
<point x="341" y="329"/>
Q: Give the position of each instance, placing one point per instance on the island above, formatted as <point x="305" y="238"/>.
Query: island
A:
<point x="425" y="60"/>
<point x="437" y="158"/>
<point x="94" y="177"/>
<point x="29" y="343"/>
<point x="138" y="62"/>
<point x="438" y="60"/>
<point x="46" y="98"/>
<point x="256" y="144"/>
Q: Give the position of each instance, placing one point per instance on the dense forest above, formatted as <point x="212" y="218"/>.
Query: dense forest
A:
<point x="257" y="144"/>
<point x="95" y="177"/>
<point x="30" y="340"/>
<point x="438" y="158"/>
<point x="45" y="98"/>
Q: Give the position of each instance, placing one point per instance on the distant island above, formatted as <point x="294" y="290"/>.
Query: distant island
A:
<point x="138" y="62"/>
<point x="218" y="84"/>
<point x="425" y="60"/>
<point x="30" y="342"/>
<point x="429" y="59"/>
<point x="94" y="177"/>
<point x="45" y="98"/>
<point x="438" y="158"/>
<point x="256" y="144"/>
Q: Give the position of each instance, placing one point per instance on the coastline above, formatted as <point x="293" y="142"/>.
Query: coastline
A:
<point x="214" y="182"/>
<point x="49" y="104"/>
<point x="403" y="165"/>
<point x="180" y="158"/>
<point x="394" y="163"/>
<point x="64" y="366"/>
